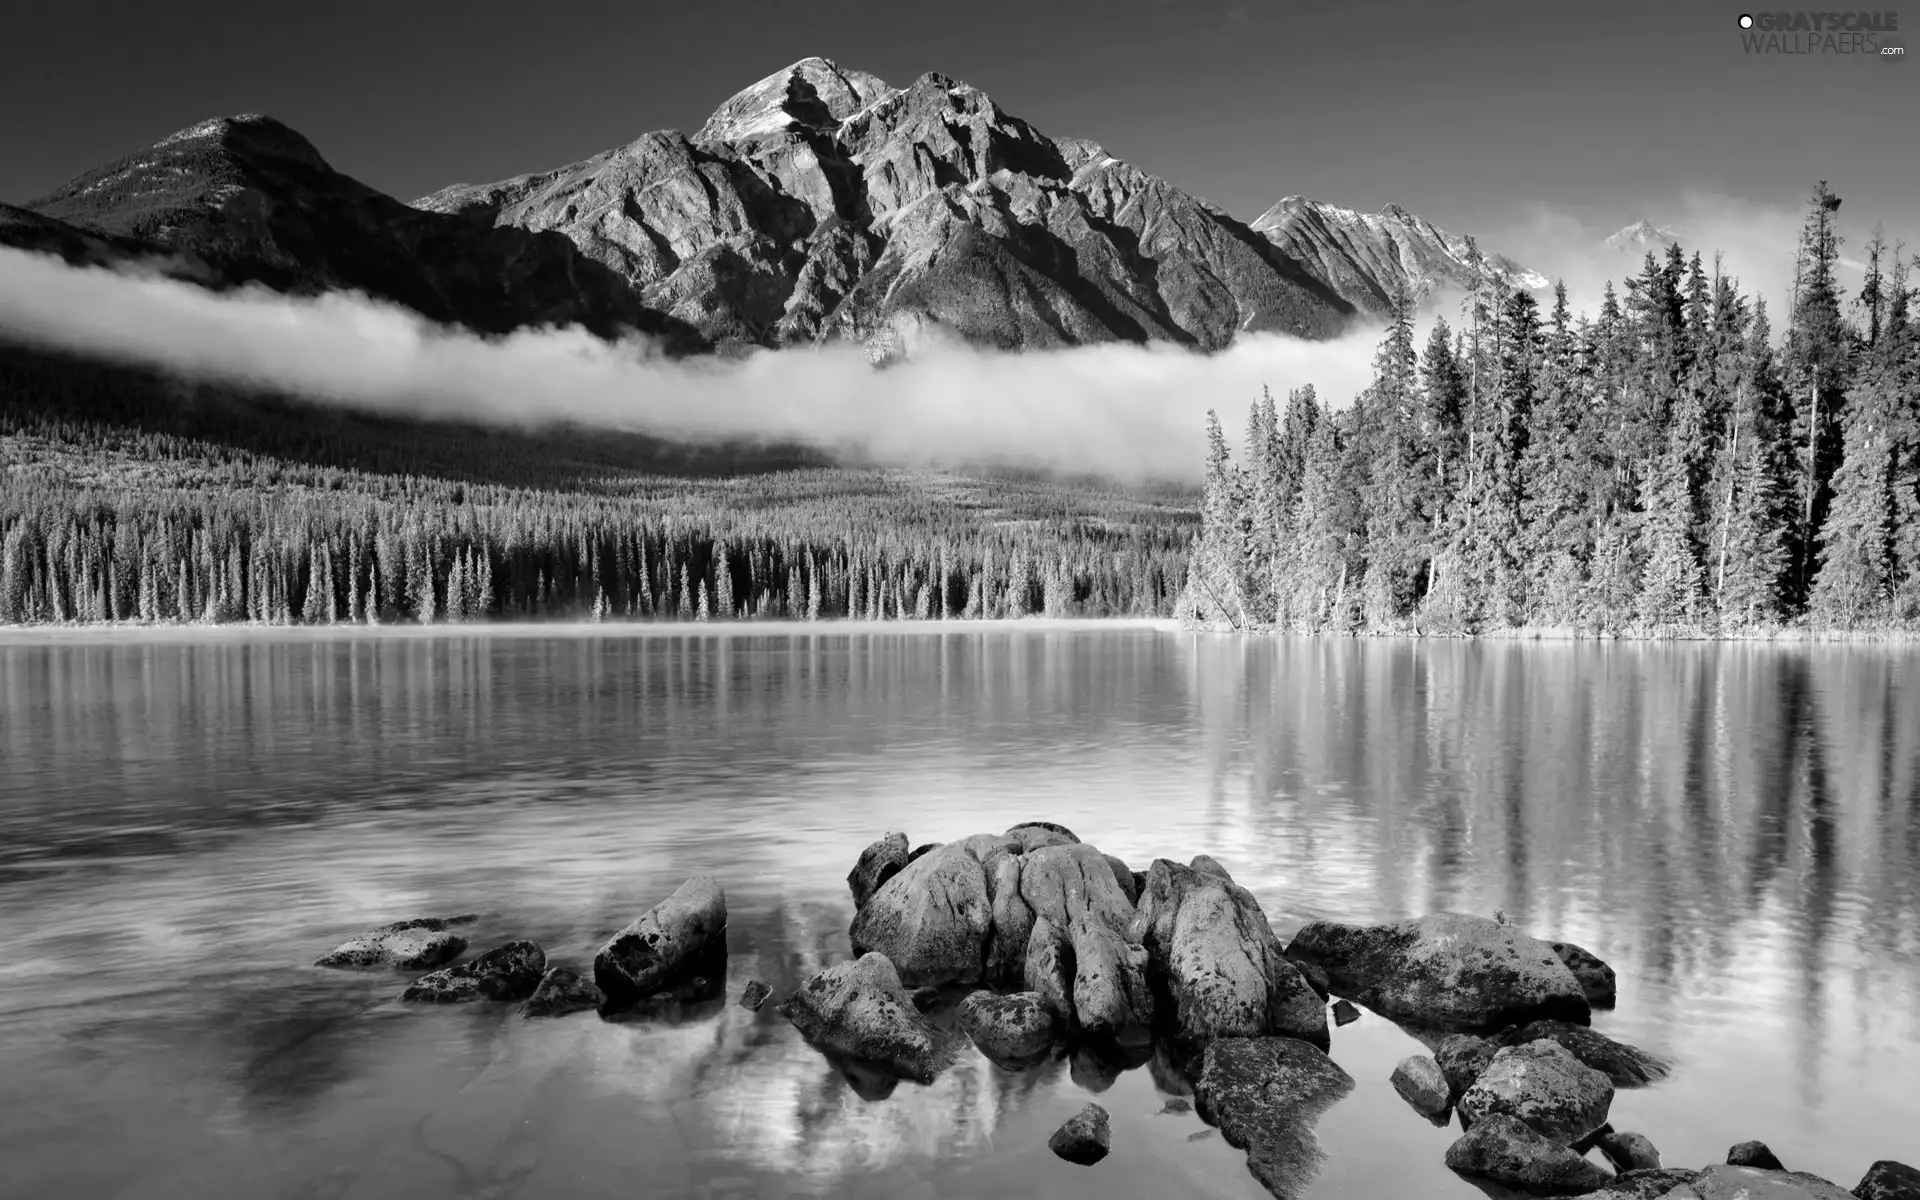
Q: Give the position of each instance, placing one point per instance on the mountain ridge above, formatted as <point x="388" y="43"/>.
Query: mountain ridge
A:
<point x="819" y="204"/>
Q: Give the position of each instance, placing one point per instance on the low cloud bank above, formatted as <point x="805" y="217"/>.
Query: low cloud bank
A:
<point x="1121" y="410"/>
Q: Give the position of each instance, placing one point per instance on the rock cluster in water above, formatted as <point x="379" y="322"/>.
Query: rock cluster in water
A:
<point x="1036" y="947"/>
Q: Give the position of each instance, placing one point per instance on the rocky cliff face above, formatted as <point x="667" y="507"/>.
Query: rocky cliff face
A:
<point x="821" y="204"/>
<point x="818" y="205"/>
<point x="247" y="200"/>
<point x="1366" y="257"/>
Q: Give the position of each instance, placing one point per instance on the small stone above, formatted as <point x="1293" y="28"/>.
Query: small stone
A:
<point x="1344" y="1013"/>
<point x="1629" y="1151"/>
<point x="1085" y="1138"/>
<point x="1544" y="1085"/>
<point x="1200" y="1135"/>
<point x="1753" y="1154"/>
<point x="1008" y="1029"/>
<point x="562" y="991"/>
<point x="414" y="945"/>
<point x="1176" y="1106"/>
<point x="1462" y="1058"/>
<point x="754" y="995"/>
<point x="1889" y="1180"/>
<point x="1595" y="976"/>
<point x="509" y="972"/>
<point x="1421" y="1083"/>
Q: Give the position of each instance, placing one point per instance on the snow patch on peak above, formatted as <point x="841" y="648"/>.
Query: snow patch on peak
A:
<point x="1642" y="235"/>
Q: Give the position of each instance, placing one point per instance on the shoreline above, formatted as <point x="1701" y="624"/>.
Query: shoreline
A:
<point x="183" y="631"/>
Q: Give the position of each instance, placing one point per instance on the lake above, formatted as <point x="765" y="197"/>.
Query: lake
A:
<point x="187" y="820"/>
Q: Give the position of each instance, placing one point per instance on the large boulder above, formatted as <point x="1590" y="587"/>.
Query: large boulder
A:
<point x="1265" y="1095"/>
<point x="1545" y="1086"/>
<point x="1085" y="1138"/>
<point x="1012" y="923"/>
<point x="1462" y="1057"/>
<point x="931" y="919"/>
<point x="1420" y="1083"/>
<point x="876" y="864"/>
<point x="1067" y="884"/>
<point x="1595" y="976"/>
<point x="1445" y="971"/>
<point x="1728" y="1182"/>
<point x="860" y="1009"/>
<point x="1013" y="1030"/>
<point x="1627" y="1066"/>
<point x="1208" y="938"/>
<point x="1889" y="1180"/>
<point x="1111" y="994"/>
<point x="1508" y="1151"/>
<point x="561" y="991"/>
<point x="415" y="945"/>
<point x="666" y="946"/>
<point x="509" y="972"/>
<point x="1049" y="970"/>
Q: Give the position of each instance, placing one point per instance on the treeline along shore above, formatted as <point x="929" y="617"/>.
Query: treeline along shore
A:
<point x="1662" y="470"/>
<point x="129" y="497"/>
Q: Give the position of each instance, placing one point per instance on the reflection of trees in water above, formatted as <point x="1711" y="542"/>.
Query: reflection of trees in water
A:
<point x="1676" y="798"/>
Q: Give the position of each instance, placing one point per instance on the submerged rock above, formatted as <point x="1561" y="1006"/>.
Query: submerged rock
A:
<point x="859" y="1009"/>
<point x="1644" y="1185"/>
<point x="561" y="991"/>
<point x="1462" y="1057"/>
<point x="1728" y="1182"/>
<point x="1595" y="976"/>
<point x="877" y="864"/>
<point x="1010" y="1030"/>
<point x="930" y="919"/>
<point x="509" y="972"/>
<point x="925" y="999"/>
<point x="1753" y="1154"/>
<point x="1544" y="1086"/>
<point x="1421" y="1083"/>
<point x="754" y="995"/>
<point x="1265" y="1095"/>
<point x="666" y="945"/>
<point x="1889" y="1180"/>
<point x="1445" y="971"/>
<point x="404" y="945"/>
<point x="1208" y="938"/>
<point x="1085" y="1138"/>
<point x="1509" y="1151"/>
<point x="1627" y="1066"/>
<point x="1344" y="1013"/>
<point x="1629" y="1151"/>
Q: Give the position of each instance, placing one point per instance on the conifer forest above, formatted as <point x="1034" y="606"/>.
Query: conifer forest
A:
<point x="1666" y="468"/>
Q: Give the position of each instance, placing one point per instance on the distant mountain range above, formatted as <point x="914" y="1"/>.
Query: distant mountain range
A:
<point x="1642" y="236"/>
<point x="820" y="204"/>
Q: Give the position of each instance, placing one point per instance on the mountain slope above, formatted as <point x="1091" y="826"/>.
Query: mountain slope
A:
<point x="820" y="204"/>
<point x="247" y="200"/>
<point x="1642" y="236"/>
<point x="1366" y="257"/>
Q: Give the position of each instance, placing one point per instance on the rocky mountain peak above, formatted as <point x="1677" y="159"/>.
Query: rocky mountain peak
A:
<point x="1642" y="235"/>
<point x="813" y="93"/>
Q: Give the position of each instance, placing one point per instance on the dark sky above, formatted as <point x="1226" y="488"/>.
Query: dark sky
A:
<point x="1460" y="111"/>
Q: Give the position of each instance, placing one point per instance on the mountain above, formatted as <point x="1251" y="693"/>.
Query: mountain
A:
<point x="1642" y="236"/>
<point x="819" y="204"/>
<point x="245" y="199"/>
<point x="1365" y="257"/>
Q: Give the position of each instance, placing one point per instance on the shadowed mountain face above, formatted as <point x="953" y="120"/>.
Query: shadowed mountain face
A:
<point x="817" y="205"/>
<point x="245" y="200"/>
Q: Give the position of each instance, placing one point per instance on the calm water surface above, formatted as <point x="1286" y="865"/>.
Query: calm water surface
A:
<point x="186" y="823"/>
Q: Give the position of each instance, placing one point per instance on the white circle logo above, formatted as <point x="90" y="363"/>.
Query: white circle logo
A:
<point x="1746" y="22"/>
